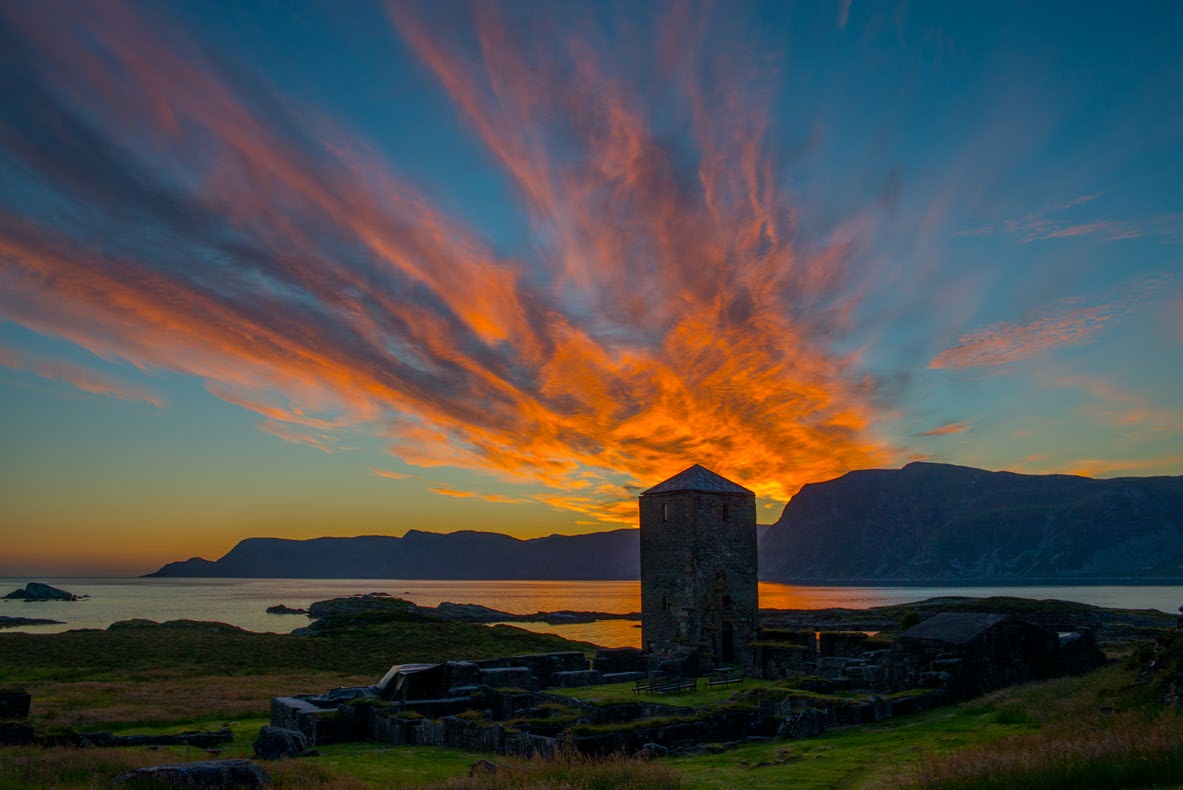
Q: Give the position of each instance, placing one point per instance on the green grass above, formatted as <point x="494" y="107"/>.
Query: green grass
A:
<point x="977" y="744"/>
<point x="1042" y="736"/>
<point x="207" y="649"/>
<point x="383" y="765"/>
<point x="616" y="693"/>
<point x="846" y="758"/>
<point x="1104" y="729"/>
<point x="174" y="674"/>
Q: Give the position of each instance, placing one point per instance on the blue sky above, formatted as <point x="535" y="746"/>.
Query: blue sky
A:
<point x="307" y="269"/>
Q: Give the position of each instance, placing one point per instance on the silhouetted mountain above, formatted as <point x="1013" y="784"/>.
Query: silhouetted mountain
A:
<point x="427" y="555"/>
<point x="936" y="522"/>
<point x="925" y="522"/>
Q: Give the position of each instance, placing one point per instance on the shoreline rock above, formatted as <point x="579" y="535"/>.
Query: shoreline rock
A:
<point x="285" y="609"/>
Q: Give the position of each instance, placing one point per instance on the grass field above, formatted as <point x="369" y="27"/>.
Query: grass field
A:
<point x="1105" y="729"/>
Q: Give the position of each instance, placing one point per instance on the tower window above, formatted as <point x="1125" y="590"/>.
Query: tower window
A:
<point x="665" y="512"/>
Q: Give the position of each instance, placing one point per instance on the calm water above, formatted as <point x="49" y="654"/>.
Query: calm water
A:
<point x="242" y="602"/>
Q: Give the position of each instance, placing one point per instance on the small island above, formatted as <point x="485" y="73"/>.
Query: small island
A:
<point x="36" y="591"/>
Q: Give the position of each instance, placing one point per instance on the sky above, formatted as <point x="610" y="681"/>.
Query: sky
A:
<point x="302" y="269"/>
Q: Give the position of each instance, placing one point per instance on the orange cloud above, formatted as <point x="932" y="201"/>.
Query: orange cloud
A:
<point x="666" y="319"/>
<point x="82" y="378"/>
<point x="945" y="430"/>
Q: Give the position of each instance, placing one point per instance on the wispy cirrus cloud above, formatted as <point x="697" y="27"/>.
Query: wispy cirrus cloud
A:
<point x="498" y="499"/>
<point x="844" y="13"/>
<point x="1121" y="408"/>
<point x="204" y="225"/>
<point x="378" y="472"/>
<point x="1102" y="467"/>
<point x="1060" y="222"/>
<point x="1037" y="228"/>
<point x="326" y="443"/>
<point x="1011" y="341"/>
<point x="1063" y="325"/>
<point x="945" y="430"/>
<point x="78" y="376"/>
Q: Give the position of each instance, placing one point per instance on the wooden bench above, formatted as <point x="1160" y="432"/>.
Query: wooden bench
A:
<point x="643" y="686"/>
<point x="725" y="678"/>
<point x="665" y="685"/>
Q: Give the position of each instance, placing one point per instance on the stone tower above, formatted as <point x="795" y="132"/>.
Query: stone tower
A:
<point x="698" y="566"/>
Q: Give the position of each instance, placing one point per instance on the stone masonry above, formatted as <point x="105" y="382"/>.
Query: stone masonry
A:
<point x="698" y="567"/>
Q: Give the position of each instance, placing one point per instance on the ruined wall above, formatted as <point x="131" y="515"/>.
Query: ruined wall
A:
<point x="698" y="573"/>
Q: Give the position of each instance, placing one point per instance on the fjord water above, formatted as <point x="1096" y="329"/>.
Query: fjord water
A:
<point x="242" y="602"/>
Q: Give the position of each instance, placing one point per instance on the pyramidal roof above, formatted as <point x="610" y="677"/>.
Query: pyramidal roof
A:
<point x="698" y="478"/>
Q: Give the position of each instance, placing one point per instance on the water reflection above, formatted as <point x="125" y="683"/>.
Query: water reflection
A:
<point x="242" y="602"/>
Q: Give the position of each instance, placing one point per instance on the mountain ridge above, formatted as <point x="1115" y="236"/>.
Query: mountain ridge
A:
<point x="950" y="523"/>
<point x="926" y="523"/>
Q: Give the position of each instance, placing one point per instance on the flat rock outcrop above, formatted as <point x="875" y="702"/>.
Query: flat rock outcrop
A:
<point x="205" y="774"/>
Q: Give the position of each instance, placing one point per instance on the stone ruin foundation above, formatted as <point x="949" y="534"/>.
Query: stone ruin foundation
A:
<point x="502" y="705"/>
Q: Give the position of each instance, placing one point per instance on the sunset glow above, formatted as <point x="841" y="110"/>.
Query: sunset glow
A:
<point x="499" y="266"/>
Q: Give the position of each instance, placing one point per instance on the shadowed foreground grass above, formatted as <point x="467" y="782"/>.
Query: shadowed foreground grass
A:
<point x="1126" y="750"/>
<point x="68" y="768"/>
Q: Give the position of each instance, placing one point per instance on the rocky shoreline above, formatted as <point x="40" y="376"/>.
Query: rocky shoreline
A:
<point x="1105" y="624"/>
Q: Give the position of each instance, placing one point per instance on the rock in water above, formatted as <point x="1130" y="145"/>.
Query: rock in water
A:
<point x="36" y="591"/>
<point x="14" y="622"/>
<point x="276" y="742"/>
<point x="280" y="608"/>
<point x="205" y="774"/>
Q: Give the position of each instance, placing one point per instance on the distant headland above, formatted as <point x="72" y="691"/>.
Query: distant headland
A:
<point x="926" y="523"/>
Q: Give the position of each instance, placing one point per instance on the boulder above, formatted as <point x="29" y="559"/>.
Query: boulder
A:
<point x="806" y="724"/>
<point x="651" y="750"/>
<point x="482" y="767"/>
<point x="36" y="591"/>
<point x="276" y="742"/>
<point x="204" y="774"/>
<point x="15" y="733"/>
<point x="14" y="704"/>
